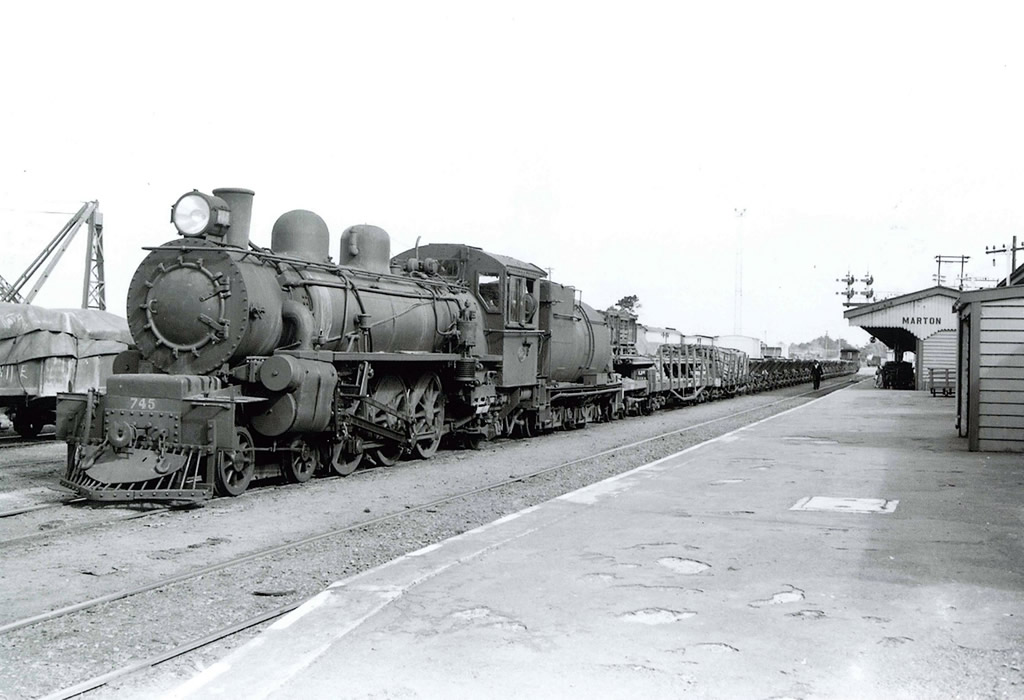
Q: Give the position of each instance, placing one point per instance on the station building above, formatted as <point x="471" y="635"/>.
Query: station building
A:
<point x="923" y="323"/>
<point x="990" y="390"/>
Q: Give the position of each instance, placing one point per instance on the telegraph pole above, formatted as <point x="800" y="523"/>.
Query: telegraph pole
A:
<point x="962" y="259"/>
<point x="1012" y="250"/>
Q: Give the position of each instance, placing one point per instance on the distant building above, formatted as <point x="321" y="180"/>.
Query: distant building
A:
<point x="749" y="345"/>
<point x="650" y="338"/>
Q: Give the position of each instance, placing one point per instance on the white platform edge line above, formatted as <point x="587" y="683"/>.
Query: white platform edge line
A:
<point x="199" y="683"/>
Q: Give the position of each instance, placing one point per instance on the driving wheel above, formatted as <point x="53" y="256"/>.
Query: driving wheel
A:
<point x="427" y="403"/>
<point x="235" y="468"/>
<point x="299" y="462"/>
<point x="389" y="391"/>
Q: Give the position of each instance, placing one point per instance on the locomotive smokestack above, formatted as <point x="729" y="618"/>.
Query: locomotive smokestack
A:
<point x="240" y="202"/>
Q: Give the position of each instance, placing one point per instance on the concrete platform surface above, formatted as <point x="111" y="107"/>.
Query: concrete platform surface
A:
<point x="695" y="576"/>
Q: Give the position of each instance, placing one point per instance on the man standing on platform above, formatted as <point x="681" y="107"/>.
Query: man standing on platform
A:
<point x="816" y="374"/>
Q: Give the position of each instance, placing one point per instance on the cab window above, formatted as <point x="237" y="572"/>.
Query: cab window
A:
<point x="520" y="303"/>
<point x="488" y="288"/>
<point x="450" y="268"/>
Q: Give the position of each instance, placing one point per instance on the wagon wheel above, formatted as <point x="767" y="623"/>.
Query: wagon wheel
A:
<point x="340" y="461"/>
<point x="389" y="391"/>
<point x="526" y="427"/>
<point x="299" y="462"/>
<point x="235" y="468"/>
<point x="27" y="423"/>
<point x="514" y="427"/>
<point x="573" y="418"/>
<point x="427" y="401"/>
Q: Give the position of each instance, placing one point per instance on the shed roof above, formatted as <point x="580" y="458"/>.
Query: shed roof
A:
<point x="937" y="290"/>
<point x="990" y="294"/>
<point x="886" y="319"/>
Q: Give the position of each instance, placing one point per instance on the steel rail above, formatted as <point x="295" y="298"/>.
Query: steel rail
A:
<point x="10" y="442"/>
<point x="101" y="680"/>
<point x="76" y="528"/>
<point x="79" y="527"/>
<point x="38" y="506"/>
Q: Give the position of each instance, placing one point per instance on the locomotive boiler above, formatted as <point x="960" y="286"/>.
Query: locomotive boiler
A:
<point x="255" y="361"/>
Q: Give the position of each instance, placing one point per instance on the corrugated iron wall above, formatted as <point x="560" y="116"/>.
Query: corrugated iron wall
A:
<point x="938" y="353"/>
<point x="1001" y="376"/>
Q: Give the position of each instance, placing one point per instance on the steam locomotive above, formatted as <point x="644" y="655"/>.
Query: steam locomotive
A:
<point x="252" y="362"/>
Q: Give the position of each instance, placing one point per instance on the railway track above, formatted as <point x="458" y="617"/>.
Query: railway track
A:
<point x="37" y="506"/>
<point x="78" y="527"/>
<point x="150" y="509"/>
<point x="363" y="526"/>
<point x="12" y="440"/>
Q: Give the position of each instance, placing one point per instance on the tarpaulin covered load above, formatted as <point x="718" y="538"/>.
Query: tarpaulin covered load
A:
<point x="45" y="351"/>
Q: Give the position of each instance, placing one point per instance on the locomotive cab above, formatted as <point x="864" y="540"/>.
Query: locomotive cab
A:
<point x="507" y="291"/>
<point x="550" y="351"/>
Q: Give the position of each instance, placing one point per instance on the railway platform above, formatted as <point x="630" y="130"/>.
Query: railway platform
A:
<point x="849" y="548"/>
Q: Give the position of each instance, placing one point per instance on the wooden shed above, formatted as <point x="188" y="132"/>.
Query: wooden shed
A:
<point x="923" y="323"/>
<point x="990" y="367"/>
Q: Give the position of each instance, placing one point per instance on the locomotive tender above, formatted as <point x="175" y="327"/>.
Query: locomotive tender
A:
<point x="253" y="362"/>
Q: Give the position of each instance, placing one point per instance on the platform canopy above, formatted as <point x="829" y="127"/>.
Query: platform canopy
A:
<point x="901" y="322"/>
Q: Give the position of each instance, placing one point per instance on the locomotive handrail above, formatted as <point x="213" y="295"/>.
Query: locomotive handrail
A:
<point x="350" y="285"/>
<point x="224" y="400"/>
<point x="308" y="264"/>
<point x="399" y="356"/>
<point x="518" y="331"/>
<point x="606" y="389"/>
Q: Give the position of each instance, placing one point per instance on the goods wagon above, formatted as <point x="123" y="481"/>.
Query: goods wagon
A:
<point x="47" y="351"/>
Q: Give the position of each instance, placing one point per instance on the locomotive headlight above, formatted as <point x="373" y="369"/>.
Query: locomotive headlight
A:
<point x="197" y="214"/>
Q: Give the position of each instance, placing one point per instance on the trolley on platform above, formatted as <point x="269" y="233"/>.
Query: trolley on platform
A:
<point x="940" y="381"/>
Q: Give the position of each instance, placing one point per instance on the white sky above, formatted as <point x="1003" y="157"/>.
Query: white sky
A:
<point x="611" y="142"/>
